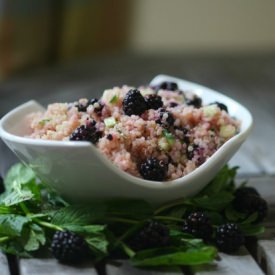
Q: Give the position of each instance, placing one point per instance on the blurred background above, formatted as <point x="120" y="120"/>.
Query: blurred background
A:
<point x="61" y="50"/>
<point x="48" y="32"/>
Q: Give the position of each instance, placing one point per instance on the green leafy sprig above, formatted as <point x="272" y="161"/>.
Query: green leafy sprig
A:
<point x="30" y="213"/>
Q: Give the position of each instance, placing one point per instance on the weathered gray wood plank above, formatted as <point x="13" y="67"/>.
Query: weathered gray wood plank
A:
<point x="239" y="264"/>
<point x="126" y="269"/>
<point x="266" y="255"/>
<point x="4" y="266"/>
<point x="247" y="163"/>
<point x="52" y="267"/>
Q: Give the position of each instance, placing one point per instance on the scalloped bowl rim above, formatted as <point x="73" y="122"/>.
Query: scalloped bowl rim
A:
<point x="195" y="88"/>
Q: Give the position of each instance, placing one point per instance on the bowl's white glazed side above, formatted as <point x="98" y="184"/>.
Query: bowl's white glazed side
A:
<point x="79" y="171"/>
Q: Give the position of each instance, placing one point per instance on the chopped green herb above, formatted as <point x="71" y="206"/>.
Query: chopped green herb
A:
<point x="114" y="99"/>
<point x="44" y="121"/>
<point x="169" y="137"/>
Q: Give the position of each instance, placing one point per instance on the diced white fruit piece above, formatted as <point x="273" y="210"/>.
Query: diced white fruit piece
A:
<point x="227" y="131"/>
<point x="210" y="110"/>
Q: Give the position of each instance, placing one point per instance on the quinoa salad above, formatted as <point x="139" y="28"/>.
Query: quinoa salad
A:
<point x="157" y="133"/>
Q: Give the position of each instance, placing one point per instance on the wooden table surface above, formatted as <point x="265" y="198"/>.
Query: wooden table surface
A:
<point x="250" y="80"/>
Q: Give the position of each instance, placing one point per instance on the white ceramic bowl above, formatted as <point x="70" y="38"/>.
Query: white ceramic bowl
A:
<point x="80" y="172"/>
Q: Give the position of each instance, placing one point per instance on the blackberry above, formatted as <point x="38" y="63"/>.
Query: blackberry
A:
<point x="198" y="224"/>
<point x="98" y="106"/>
<point x="153" y="234"/>
<point x="153" y="169"/>
<point x="153" y="101"/>
<point x="134" y="103"/>
<point x="250" y="204"/>
<point x="229" y="238"/>
<point x="190" y="151"/>
<point x="195" y="101"/>
<point x="166" y="118"/>
<point x="86" y="132"/>
<point x="82" y="106"/>
<point x="170" y="86"/>
<point x="220" y="105"/>
<point x="183" y="133"/>
<point x="68" y="247"/>
<point x="109" y="137"/>
<point x="246" y="191"/>
<point x="173" y="104"/>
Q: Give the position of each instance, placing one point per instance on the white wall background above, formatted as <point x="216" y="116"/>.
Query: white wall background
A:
<point x="203" y="25"/>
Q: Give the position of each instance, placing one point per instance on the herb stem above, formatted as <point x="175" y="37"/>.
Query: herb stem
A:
<point x="4" y="210"/>
<point x="24" y="208"/>
<point x="3" y="239"/>
<point x="169" y="205"/>
<point x="123" y="220"/>
<point x="167" y="218"/>
<point x="127" y="250"/>
<point x="49" y="225"/>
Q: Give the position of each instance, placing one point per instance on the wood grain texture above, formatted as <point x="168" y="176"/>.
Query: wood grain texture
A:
<point x="239" y="264"/>
<point x="124" y="268"/>
<point x="4" y="267"/>
<point x="51" y="267"/>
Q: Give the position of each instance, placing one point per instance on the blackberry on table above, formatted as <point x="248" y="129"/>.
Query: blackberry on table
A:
<point x="166" y="118"/>
<point x="196" y="101"/>
<point x="250" y="204"/>
<point x="242" y="192"/>
<point x="153" y="169"/>
<point x="199" y="225"/>
<point x="153" y="234"/>
<point x="134" y="103"/>
<point x="220" y="105"/>
<point x="86" y="132"/>
<point x="153" y="101"/>
<point x="68" y="247"/>
<point x="229" y="238"/>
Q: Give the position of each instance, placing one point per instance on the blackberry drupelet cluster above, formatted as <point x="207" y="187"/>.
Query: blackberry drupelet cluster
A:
<point x="82" y="107"/>
<point x="153" y="169"/>
<point x="153" y="234"/>
<point x="86" y="132"/>
<point x="170" y="86"/>
<point x="134" y="103"/>
<point x="199" y="225"/>
<point x="68" y="247"/>
<point x="247" y="200"/>
<point x="242" y="192"/>
<point x="220" y="105"/>
<point x="98" y="106"/>
<point x="190" y="151"/>
<point x="153" y="101"/>
<point x="195" y="101"/>
<point x="166" y="118"/>
<point x="183" y="133"/>
<point x="229" y="237"/>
